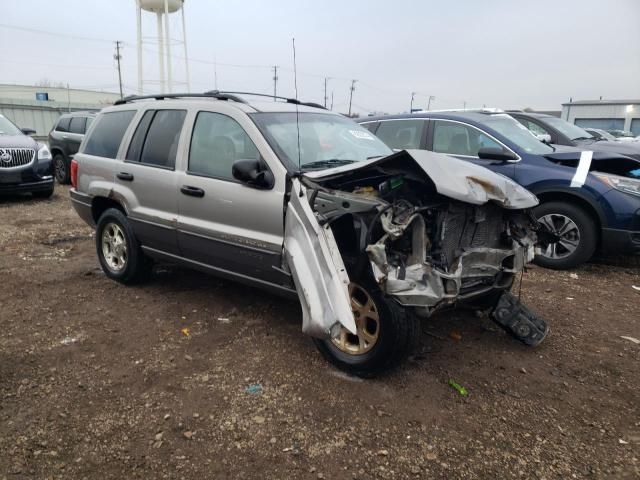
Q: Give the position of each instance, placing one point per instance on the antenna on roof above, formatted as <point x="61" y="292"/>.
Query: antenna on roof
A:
<point x="295" y="86"/>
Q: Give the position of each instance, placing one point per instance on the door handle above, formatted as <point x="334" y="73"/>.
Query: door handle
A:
<point x="65" y="136"/>
<point x="192" y="191"/>
<point x="127" y="177"/>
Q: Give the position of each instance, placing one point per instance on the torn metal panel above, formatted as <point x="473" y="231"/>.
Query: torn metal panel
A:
<point x="318" y="271"/>
<point x="452" y="177"/>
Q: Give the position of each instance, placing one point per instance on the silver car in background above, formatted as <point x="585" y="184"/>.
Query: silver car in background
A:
<point x="304" y="202"/>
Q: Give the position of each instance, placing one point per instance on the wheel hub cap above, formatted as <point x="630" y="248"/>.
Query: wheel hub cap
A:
<point x="114" y="247"/>
<point x="365" y="314"/>
<point x="567" y="236"/>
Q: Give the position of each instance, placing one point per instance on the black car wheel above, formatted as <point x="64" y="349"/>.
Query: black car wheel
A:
<point x="575" y="235"/>
<point x="386" y="334"/>
<point x="119" y="252"/>
<point x="61" y="169"/>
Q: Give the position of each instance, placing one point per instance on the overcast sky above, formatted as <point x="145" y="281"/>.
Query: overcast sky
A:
<point x="501" y="53"/>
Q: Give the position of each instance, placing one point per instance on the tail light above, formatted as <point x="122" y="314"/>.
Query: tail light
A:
<point x="74" y="173"/>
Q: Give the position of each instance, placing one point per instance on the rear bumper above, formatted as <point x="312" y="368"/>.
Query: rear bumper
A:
<point x="82" y="205"/>
<point x="26" y="187"/>
<point x="623" y="242"/>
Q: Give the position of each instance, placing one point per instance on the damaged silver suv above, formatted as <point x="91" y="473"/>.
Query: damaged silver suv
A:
<point x="299" y="200"/>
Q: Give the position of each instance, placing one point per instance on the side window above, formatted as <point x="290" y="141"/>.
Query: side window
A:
<point x="535" y="128"/>
<point x="107" y="134"/>
<point x="217" y="142"/>
<point x="77" y="125"/>
<point x="63" y="124"/>
<point x="161" y="142"/>
<point x="137" y="142"/>
<point x="89" y="122"/>
<point x="371" y="126"/>
<point x="401" y="134"/>
<point x="459" y="139"/>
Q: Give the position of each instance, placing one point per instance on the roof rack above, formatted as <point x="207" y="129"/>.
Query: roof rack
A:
<point x="294" y="101"/>
<point x="217" y="94"/>
<point x="161" y="96"/>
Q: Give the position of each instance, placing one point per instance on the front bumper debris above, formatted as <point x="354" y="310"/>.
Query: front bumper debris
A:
<point x="519" y="321"/>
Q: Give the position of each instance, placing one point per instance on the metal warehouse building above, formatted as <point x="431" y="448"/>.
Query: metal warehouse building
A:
<point x="605" y="114"/>
<point x="39" y="107"/>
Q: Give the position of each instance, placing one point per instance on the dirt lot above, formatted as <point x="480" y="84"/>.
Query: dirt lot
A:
<point x="100" y="381"/>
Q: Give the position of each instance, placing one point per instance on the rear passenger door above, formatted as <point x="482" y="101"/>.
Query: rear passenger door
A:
<point x="74" y="137"/>
<point x="147" y="180"/>
<point x="224" y="224"/>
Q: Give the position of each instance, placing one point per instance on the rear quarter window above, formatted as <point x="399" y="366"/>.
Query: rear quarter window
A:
<point x="107" y="133"/>
<point x="77" y="125"/>
<point x="63" y="124"/>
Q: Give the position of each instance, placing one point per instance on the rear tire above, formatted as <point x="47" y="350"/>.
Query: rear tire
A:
<point x="61" y="169"/>
<point x="119" y="252"/>
<point x="396" y="334"/>
<point x="578" y="242"/>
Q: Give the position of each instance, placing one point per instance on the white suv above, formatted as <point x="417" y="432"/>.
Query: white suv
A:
<point x="302" y="201"/>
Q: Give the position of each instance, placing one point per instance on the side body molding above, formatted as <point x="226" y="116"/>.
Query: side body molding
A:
<point x="317" y="268"/>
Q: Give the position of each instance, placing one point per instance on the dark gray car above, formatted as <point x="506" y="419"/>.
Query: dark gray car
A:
<point x="64" y="140"/>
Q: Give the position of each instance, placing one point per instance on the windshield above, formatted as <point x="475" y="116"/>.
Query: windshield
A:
<point x="326" y="140"/>
<point x="573" y="132"/>
<point x="517" y="133"/>
<point x="8" y="128"/>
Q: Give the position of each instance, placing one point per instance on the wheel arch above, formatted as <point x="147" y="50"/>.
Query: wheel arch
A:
<point x="58" y="150"/>
<point x="100" y="204"/>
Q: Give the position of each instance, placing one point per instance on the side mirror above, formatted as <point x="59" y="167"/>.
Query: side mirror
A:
<point x="28" y="131"/>
<point x="544" y="137"/>
<point x="492" y="153"/>
<point x="253" y="173"/>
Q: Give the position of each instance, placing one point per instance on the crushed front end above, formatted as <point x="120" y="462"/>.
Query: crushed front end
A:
<point x="431" y="240"/>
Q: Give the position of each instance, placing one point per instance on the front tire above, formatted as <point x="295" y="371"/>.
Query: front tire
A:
<point x="61" y="169"/>
<point x="386" y="333"/>
<point x="119" y="252"/>
<point x="576" y="233"/>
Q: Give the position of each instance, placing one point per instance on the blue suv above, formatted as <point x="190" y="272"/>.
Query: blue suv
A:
<point x="588" y="200"/>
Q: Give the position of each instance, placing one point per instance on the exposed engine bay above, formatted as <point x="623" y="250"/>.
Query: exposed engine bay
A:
<point x="433" y="235"/>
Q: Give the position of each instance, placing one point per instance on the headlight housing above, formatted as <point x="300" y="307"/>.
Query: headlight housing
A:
<point x="624" y="184"/>
<point x="44" y="153"/>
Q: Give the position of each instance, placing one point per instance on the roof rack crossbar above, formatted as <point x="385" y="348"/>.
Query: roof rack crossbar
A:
<point x="161" y="96"/>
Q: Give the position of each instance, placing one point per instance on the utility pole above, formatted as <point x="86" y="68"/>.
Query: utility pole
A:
<point x="326" y="79"/>
<point x="275" y="81"/>
<point x="431" y="97"/>
<point x="413" y="94"/>
<point x="464" y="105"/>
<point x="331" y="100"/>
<point x="117" y="57"/>
<point x="351" y="90"/>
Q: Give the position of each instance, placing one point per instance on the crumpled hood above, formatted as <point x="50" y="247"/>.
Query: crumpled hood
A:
<point x="17" y="141"/>
<point x="452" y="177"/>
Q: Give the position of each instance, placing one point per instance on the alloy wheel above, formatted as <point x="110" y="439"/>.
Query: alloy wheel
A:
<point x="365" y="314"/>
<point x="114" y="247"/>
<point x="567" y="233"/>
<point x="60" y="169"/>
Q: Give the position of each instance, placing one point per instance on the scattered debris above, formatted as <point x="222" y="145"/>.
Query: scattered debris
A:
<point x="569" y="298"/>
<point x="635" y="288"/>
<point x="574" y="276"/>
<point x="631" y="339"/>
<point x="258" y="419"/>
<point x="188" y="358"/>
<point x="188" y="434"/>
<point x="253" y="389"/>
<point x="69" y="340"/>
<point x="185" y="332"/>
<point x="458" y="388"/>
<point x="455" y="335"/>
<point x="622" y="442"/>
<point x="523" y="370"/>
<point x="383" y="453"/>
<point x="224" y="320"/>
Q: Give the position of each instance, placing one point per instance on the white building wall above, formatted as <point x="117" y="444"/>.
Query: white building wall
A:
<point x="627" y="112"/>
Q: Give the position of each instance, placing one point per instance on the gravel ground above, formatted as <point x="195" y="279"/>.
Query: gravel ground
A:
<point x="188" y="376"/>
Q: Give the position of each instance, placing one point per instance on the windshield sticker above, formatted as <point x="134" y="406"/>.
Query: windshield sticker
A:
<point x="361" y="134"/>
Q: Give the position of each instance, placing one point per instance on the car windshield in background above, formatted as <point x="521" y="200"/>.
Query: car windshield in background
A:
<point x="8" y="128"/>
<point x="570" y="130"/>
<point x="516" y="133"/>
<point x="326" y="140"/>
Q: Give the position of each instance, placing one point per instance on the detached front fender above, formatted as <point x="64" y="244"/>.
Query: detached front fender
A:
<point x="317" y="268"/>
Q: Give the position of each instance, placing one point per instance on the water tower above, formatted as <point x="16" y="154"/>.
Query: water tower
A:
<point x="162" y="9"/>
